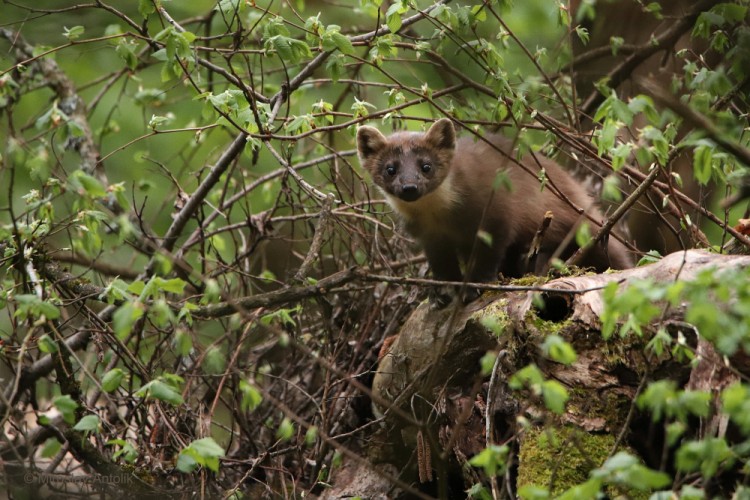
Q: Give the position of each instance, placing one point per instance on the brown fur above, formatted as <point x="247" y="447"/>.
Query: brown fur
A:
<point x="446" y="205"/>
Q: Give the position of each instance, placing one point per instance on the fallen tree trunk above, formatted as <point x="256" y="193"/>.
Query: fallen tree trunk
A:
<point x="432" y="371"/>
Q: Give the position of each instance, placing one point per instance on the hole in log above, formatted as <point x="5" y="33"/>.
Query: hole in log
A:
<point x="554" y="307"/>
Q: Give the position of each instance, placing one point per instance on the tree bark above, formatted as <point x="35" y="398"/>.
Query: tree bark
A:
<point x="432" y="372"/>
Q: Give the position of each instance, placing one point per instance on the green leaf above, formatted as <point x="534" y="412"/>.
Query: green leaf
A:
<point x="697" y="403"/>
<point x="285" y="432"/>
<point x="502" y="179"/>
<point x="493" y="324"/>
<point x="158" y="389"/>
<point x="624" y="469"/>
<point x="620" y="156"/>
<point x="555" y="396"/>
<point x="214" y="362"/>
<point x="644" y="105"/>
<point x="51" y="448"/>
<point x="251" y="397"/>
<point x="289" y="49"/>
<point x="655" y="9"/>
<point x="174" y="285"/>
<point x="583" y="235"/>
<point x="487" y="362"/>
<point x="186" y="313"/>
<point x="231" y="7"/>
<point x="161" y="314"/>
<point x="615" y="43"/>
<point x="485" y="237"/>
<point x="284" y="315"/>
<point x="182" y="343"/>
<point x="157" y="120"/>
<point x="31" y="306"/>
<point x="563" y="15"/>
<point x="112" y="379"/>
<point x="736" y="403"/>
<point x="89" y="423"/>
<point x="706" y="455"/>
<point x="125" y="317"/>
<point x="557" y="349"/>
<point x="493" y="459"/>
<point x="73" y="33"/>
<point x="393" y="16"/>
<point x="275" y="26"/>
<point x="611" y="188"/>
<point x="311" y="435"/>
<point x="188" y="37"/>
<point x="533" y="492"/>
<point x="335" y="66"/>
<point x="185" y="462"/>
<point x="146" y="7"/>
<point x="649" y="258"/>
<point x="606" y="135"/>
<point x="67" y="407"/>
<point x="332" y="39"/>
<point x="38" y="164"/>
<point x="113" y="30"/>
<point x="205" y="452"/>
<point x="47" y="344"/>
<point x="731" y="12"/>
<point x="529" y="375"/>
<point x="207" y="447"/>
<point x="583" y="34"/>
<point x="675" y="431"/>
<point x="703" y="163"/>
<point x="127" y="451"/>
<point x="656" y="397"/>
<point x="588" y="490"/>
<point x="136" y="287"/>
<point x="83" y="183"/>
<point x="360" y="107"/>
<point x="342" y="43"/>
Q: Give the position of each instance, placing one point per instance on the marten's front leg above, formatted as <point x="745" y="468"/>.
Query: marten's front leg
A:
<point x="444" y="264"/>
<point x="483" y="267"/>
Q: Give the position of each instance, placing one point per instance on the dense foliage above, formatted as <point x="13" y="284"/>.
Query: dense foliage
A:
<point x="197" y="277"/>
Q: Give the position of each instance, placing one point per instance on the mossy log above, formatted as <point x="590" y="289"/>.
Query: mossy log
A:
<point x="432" y="375"/>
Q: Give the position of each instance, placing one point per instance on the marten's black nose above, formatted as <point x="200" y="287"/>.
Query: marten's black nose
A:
<point x="409" y="192"/>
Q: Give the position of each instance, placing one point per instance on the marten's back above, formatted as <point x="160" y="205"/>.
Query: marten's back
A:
<point x="516" y="208"/>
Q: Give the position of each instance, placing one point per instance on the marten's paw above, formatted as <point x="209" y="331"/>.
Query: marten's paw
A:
<point x="441" y="296"/>
<point x="469" y="294"/>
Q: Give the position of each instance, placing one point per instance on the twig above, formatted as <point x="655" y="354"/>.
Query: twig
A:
<point x="536" y="243"/>
<point x="317" y="241"/>
<point x="576" y="258"/>
<point x="199" y="195"/>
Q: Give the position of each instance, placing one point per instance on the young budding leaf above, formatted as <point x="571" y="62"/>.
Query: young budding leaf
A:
<point x="73" y="33"/>
<point x="285" y="432"/>
<point x="89" y="423"/>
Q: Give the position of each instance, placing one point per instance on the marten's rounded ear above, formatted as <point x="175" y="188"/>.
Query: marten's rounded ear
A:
<point x="442" y="135"/>
<point x="369" y="141"/>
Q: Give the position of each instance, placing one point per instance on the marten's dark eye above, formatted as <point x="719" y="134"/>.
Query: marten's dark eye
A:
<point x="426" y="167"/>
<point x="390" y="169"/>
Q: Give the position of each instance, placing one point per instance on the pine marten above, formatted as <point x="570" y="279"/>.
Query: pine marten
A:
<point x="443" y="189"/>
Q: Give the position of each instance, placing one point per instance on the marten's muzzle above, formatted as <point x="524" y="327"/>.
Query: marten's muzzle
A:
<point x="409" y="192"/>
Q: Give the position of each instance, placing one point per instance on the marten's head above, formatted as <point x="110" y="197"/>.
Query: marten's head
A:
<point x="408" y="165"/>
